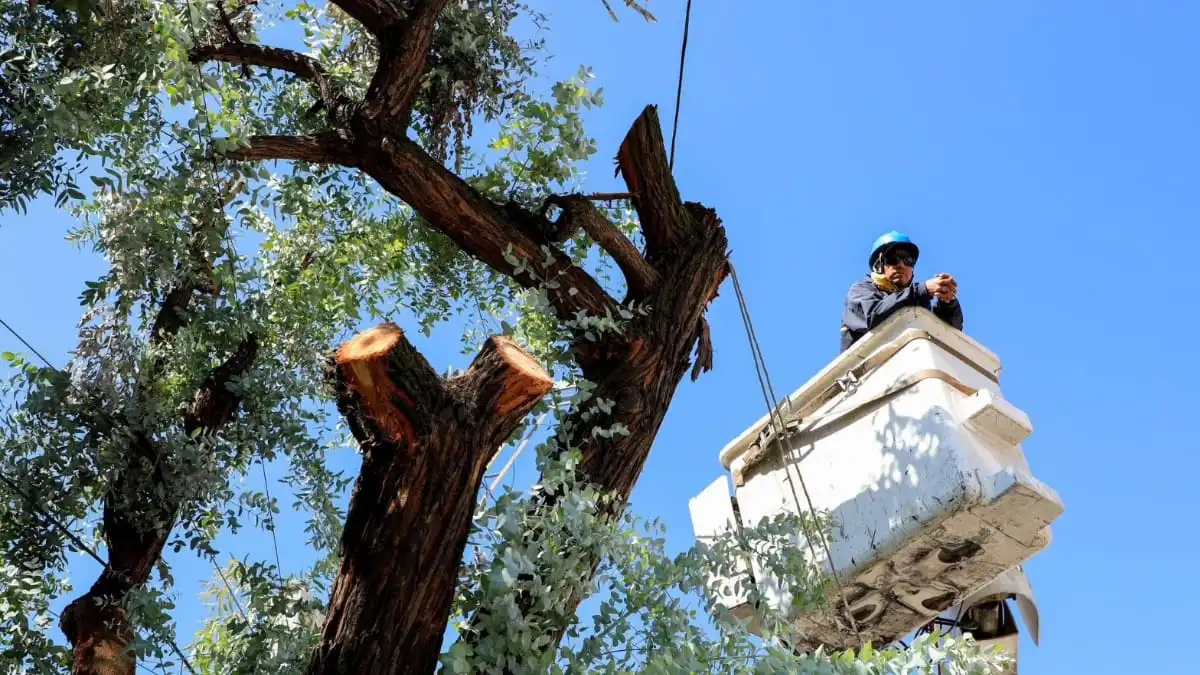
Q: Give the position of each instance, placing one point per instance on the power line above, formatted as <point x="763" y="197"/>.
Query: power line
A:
<point x="760" y="365"/>
<point x="27" y="345"/>
<point x="687" y="22"/>
<point x="53" y="521"/>
<point x="271" y="521"/>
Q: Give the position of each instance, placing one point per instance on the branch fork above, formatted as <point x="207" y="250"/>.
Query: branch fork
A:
<point x="426" y="443"/>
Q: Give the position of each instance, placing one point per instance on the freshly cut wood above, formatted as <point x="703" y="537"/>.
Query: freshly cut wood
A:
<point x="426" y="442"/>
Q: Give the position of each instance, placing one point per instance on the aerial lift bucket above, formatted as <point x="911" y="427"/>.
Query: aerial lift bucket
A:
<point x="905" y="442"/>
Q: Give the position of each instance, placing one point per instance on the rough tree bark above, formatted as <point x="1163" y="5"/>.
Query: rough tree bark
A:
<point x="141" y="506"/>
<point x="426" y="443"/>
<point x="678" y="274"/>
<point x="641" y="368"/>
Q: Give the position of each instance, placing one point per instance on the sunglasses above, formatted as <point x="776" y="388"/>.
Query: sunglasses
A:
<point x="898" y="258"/>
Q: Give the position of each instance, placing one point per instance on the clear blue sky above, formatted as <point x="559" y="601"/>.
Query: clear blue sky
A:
<point x="1044" y="153"/>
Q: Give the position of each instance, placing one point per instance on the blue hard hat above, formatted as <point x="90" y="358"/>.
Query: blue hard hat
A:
<point x="889" y="240"/>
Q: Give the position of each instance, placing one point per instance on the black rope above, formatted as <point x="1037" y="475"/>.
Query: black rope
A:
<point x="687" y="22"/>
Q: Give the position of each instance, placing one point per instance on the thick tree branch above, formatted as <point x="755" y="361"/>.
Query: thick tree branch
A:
<point x="140" y="509"/>
<point x="402" y="58"/>
<point x="483" y="228"/>
<point x="580" y="212"/>
<point x="642" y="161"/>
<point x="327" y="148"/>
<point x="194" y="272"/>
<point x="261" y="55"/>
<point x="377" y="16"/>
<point x="301" y="65"/>
<point x="141" y="504"/>
<point x="426" y="443"/>
<point x="214" y="403"/>
<point x="479" y="226"/>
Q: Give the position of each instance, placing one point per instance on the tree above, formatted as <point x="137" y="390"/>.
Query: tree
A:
<point x="197" y="360"/>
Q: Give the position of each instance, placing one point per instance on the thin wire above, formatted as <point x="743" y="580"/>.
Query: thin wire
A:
<point x="27" y="345"/>
<point x="687" y="22"/>
<point x="763" y="387"/>
<point x="773" y="411"/>
<point x="232" y="595"/>
<point x="760" y="365"/>
<point x="54" y="521"/>
<point x="768" y="391"/>
<point x="271" y="522"/>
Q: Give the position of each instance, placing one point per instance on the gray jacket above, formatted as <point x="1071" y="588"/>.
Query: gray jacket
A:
<point x="867" y="306"/>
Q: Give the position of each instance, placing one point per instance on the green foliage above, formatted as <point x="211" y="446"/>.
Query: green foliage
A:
<point x="475" y="68"/>
<point x="302" y="256"/>
<point x="656" y="612"/>
<point x="71" y="82"/>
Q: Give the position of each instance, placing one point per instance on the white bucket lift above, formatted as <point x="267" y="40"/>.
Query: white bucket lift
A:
<point x="905" y="441"/>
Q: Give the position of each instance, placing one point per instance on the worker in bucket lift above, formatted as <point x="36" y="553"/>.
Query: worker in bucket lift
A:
<point x="890" y="286"/>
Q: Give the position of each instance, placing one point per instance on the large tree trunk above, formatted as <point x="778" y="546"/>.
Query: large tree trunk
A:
<point x="678" y="275"/>
<point x="426" y="443"/>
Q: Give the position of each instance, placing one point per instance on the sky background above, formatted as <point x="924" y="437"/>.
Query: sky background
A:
<point x="1043" y="153"/>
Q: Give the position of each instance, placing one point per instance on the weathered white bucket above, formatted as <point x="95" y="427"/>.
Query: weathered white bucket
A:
<point x="907" y="443"/>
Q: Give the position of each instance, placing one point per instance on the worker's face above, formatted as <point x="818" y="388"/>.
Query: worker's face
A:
<point x="898" y="266"/>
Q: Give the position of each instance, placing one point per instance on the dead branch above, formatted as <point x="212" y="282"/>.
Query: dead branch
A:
<point x="704" y="350"/>
<point x="642" y="162"/>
